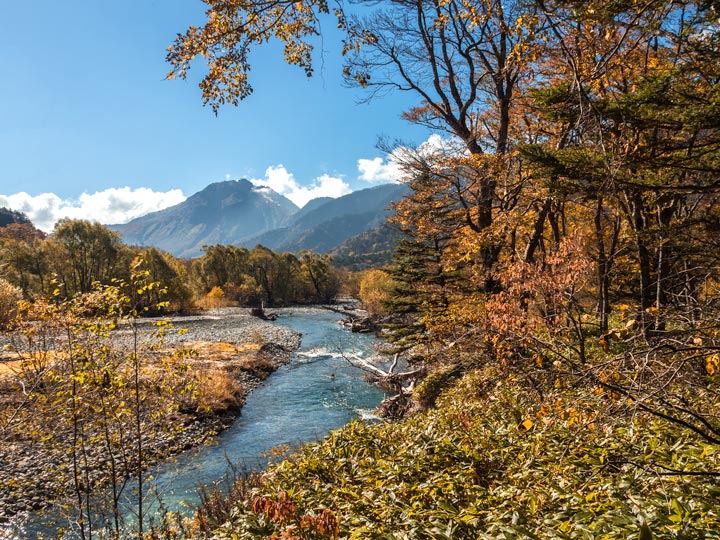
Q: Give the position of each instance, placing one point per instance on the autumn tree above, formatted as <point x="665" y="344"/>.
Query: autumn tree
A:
<point x="231" y="31"/>
<point x="99" y="395"/>
<point x="220" y="266"/>
<point x="644" y="136"/>
<point x="467" y="64"/>
<point x="24" y="258"/>
<point x="375" y="288"/>
<point x="279" y="276"/>
<point x="463" y="62"/>
<point x="424" y="275"/>
<point x="84" y="253"/>
<point x="318" y="270"/>
<point x="9" y="298"/>
<point x="172" y="292"/>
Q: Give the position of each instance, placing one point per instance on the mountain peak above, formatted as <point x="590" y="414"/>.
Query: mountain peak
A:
<point x="222" y="213"/>
<point x="224" y="187"/>
<point x="240" y="213"/>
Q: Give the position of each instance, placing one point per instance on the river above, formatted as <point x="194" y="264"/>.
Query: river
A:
<point x="302" y="401"/>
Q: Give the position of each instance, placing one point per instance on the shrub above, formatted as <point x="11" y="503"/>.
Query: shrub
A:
<point x="375" y="289"/>
<point x="10" y="295"/>
<point x="491" y="462"/>
<point x="218" y="392"/>
<point x="214" y="299"/>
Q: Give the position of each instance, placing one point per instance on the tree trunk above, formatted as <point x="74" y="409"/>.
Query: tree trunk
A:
<point x="647" y="286"/>
<point x="537" y="231"/>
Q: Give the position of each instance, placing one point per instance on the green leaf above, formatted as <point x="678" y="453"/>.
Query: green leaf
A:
<point x="645" y="532"/>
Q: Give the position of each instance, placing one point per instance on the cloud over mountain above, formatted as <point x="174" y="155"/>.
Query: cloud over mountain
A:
<point x="279" y="179"/>
<point x="113" y="205"/>
<point x="393" y="167"/>
<point x="379" y="170"/>
<point x="121" y="205"/>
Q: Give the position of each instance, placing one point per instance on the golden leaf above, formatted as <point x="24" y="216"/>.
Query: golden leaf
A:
<point x="712" y="363"/>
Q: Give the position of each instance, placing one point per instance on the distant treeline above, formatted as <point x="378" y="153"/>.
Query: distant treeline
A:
<point x="80" y="254"/>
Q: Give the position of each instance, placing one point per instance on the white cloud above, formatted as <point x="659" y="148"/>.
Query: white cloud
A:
<point x="119" y="205"/>
<point x="446" y="145"/>
<point x="391" y="169"/>
<point x="280" y="180"/>
<point x="377" y="170"/>
<point x="114" y="205"/>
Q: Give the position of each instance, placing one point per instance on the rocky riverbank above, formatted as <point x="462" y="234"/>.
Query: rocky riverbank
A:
<point x="251" y="350"/>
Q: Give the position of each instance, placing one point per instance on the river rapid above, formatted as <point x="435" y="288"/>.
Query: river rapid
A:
<point x="301" y="402"/>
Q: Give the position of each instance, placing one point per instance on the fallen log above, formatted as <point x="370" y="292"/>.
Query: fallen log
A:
<point x="360" y="325"/>
<point x="389" y="377"/>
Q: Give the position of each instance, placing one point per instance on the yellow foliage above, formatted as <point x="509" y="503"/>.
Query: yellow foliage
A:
<point x="216" y="293"/>
<point x="712" y="363"/>
<point x="375" y="288"/>
<point x="214" y="299"/>
<point x="9" y="297"/>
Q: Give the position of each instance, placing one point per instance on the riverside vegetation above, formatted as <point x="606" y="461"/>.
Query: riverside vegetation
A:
<point x="92" y="396"/>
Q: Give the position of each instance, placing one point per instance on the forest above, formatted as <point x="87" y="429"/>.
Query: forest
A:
<point x="555" y="293"/>
<point x="80" y="256"/>
<point x="558" y="280"/>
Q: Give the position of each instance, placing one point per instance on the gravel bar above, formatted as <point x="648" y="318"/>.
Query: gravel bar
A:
<point x="22" y="466"/>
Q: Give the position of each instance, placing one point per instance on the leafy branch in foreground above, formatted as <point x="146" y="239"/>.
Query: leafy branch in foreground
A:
<point x="98" y="394"/>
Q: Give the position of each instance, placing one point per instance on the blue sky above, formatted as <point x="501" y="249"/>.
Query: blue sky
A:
<point x="87" y="115"/>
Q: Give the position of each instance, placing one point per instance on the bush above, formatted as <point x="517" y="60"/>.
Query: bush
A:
<point x="375" y="289"/>
<point x="491" y="463"/>
<point x="216" y="298"/>
<point x="10" y="295"/>
<point x="218" y="392"/>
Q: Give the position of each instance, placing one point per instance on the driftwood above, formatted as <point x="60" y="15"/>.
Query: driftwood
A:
<point x="398" y="406"/>
<point x="259" y="312"/>
<point x="402" y="384"/>
<point x="362" y="325"/>
<point x="387" y="378"/>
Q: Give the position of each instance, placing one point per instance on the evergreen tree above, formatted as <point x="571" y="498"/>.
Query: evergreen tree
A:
<point x="8" y="216"/>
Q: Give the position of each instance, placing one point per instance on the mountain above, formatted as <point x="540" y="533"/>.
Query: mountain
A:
<point x="310" y="206"/>
<point x="370" y="249"/>
<point x="238" y="213"/>
<point x="222" y="213"/>
<point x="325" y="224"/>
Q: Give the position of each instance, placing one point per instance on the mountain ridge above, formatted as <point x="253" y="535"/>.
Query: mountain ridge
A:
<point x="221" y="213"/>
<point x="326" y="226"/>
<point x="236" y="212"/>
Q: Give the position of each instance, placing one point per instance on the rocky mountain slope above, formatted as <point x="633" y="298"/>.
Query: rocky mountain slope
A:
<point x="239" y="213"/>
<point x="222" y="213"/>
<point x="323" y="227"/>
